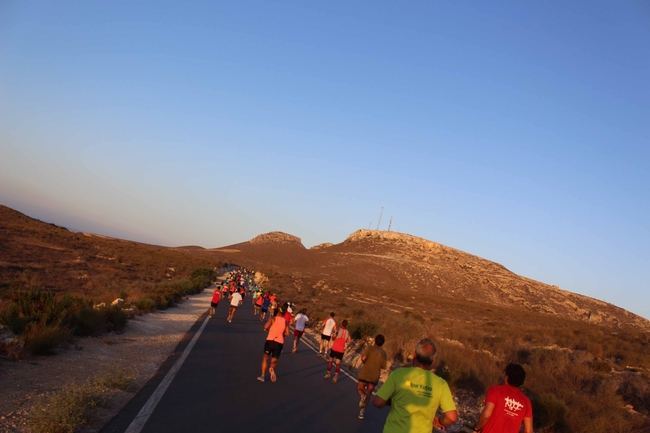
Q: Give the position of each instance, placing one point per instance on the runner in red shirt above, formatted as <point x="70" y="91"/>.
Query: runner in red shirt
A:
<point x="216" y="297"/>
<point x="287" y="314"/>
<point x="338" y="350"/>
<point x="506" y="407"/>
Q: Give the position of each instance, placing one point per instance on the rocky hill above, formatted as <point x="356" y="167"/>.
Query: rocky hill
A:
<point x="276" y="238"/>
<point x="418" y="267"/>
<point x="584" y="357"/>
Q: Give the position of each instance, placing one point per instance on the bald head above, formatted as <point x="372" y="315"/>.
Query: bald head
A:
<point x="424" y="352"/>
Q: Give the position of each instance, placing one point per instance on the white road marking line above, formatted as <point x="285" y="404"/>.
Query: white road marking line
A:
<point x="309" y="344"/>
<point x="141" y="418"/>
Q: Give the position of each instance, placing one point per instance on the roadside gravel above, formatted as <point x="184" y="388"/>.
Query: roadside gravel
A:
<point x="147" y="341"/>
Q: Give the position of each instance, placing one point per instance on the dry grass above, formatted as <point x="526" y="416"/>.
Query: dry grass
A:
<point x="574" y="369"/>
<point x="69" y="409"/>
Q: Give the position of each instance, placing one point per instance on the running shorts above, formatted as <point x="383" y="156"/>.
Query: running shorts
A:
<point x="297" y="333"/>
<point x="337" y="355"/>
<point x="272" y="348"/>
<point x="325" y="337"/>
<point x="367" y="382"/>
<point x="214" y="304"/>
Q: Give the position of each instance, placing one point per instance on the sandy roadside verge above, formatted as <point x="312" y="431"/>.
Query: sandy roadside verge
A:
<point x="147" y="341"/>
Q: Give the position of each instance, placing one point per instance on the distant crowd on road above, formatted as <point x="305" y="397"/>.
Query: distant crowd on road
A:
<point x="419" y="400"/>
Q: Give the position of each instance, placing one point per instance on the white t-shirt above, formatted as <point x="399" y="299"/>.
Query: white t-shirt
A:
<point x="301" y="321"/>
<point x="329" y="326"/>
<point x="235" y="299"/>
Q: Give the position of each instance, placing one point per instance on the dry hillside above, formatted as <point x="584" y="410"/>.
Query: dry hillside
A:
<point x="38" y="255"/>
<point x="587" y="359"/>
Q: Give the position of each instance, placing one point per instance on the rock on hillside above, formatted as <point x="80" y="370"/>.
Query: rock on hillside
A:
<point x="322" y="246"/>
<point x="276" y="238"/>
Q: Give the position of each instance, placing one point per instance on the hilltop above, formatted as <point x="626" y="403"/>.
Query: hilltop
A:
<point x="413" y="266"/>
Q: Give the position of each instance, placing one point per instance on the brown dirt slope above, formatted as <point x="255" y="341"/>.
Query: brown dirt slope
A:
<point x="35" y="254"/>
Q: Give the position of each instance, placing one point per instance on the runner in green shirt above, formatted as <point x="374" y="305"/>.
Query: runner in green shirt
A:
<point x="415" y="394"/>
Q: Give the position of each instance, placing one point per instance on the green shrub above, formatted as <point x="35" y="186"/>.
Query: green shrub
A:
<point x="363" y="329"/>
<point x="145" y="304"/>
<point x="470" y="381"/>
<point x="550" y="412"/>
<point x="202" y="278"/>
<point x="43" y="339"/>
<point x="115" y="319"/>
<point x="89" y="321"/>
<point x="10" y="317"/>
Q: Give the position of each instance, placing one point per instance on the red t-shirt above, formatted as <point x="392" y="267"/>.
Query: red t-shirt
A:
<point x="216" y="296"/>
<point x="340" y="341"/>
<point x="511" y="406"/>
<point x="288" y="317"/>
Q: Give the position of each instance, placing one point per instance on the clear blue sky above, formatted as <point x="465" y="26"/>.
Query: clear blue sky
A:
<point x="519" y="131"/>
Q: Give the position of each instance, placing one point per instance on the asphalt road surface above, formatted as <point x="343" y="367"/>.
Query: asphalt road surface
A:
<point x="215" y="389"/>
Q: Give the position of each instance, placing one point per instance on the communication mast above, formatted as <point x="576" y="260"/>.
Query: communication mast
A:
<point x="381" y="214"/>
<point x="390" y="223"/>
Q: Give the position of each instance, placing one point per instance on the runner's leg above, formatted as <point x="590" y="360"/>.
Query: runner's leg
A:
<point x="265" y="361"/>
<point x="328" y="374"/>
<point x="272" y="370"/>
<point x="338" y="370"/>
<point x="361" y="390"/>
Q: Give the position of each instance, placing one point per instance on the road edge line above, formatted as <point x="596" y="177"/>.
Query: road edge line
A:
<point x="309" y="344"/>
<point x="143" y="415"/>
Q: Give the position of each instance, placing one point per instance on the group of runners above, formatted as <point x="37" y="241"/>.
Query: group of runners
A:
<point x="415" y="394"/>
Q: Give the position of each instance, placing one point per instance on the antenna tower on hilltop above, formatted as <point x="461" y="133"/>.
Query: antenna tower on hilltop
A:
<point x="390" y="223"/>
<point x="381" y="214"/>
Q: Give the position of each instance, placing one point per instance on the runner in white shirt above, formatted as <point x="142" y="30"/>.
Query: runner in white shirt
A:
<point x="326" y="335"/>
<point x="235" y="300"/>
<point x="301" y="320"/>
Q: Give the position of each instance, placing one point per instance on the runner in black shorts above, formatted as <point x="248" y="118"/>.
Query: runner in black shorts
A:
<point x="338" y="349"/>
<point x="374" y="361"/>
<point x="273" y="349"/>
<point x="329" y="329"/>
<point x="277" y="330"/>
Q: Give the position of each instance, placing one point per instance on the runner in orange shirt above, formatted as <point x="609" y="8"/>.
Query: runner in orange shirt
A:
<point x="277" y="329"/>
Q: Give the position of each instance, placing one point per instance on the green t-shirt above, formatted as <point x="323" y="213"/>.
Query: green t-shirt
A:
<point x="415" y="394"/>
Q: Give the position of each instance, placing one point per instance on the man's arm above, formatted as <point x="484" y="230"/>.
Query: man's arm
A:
<point x="385" y="393"/>
<point x="364" y="356"/>
<point x="448" y="418"/>
<point x="379" y="402"/>
<point x="528" y="425"/>
<point x="485" y="415"/>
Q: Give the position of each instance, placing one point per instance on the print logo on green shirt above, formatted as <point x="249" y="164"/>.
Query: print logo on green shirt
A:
<point x="422" y="390"/>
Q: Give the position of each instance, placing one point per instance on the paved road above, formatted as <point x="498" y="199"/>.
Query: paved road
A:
<point x="215" y="389"/>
